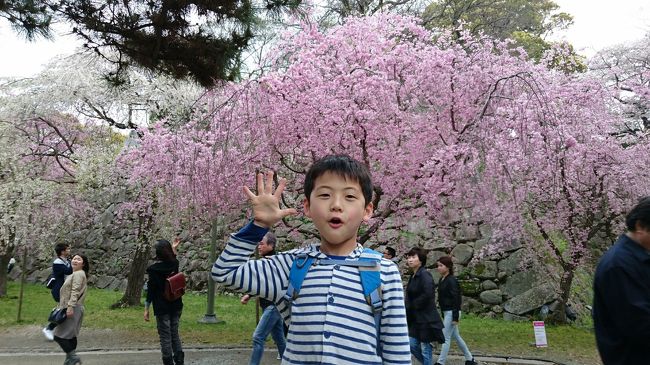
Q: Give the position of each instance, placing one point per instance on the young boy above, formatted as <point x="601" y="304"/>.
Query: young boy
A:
<point x="330" y="320"/>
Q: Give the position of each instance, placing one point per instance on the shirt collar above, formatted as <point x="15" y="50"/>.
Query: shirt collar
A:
<point x="313" y="250"/>
<point x="638" y="251"/>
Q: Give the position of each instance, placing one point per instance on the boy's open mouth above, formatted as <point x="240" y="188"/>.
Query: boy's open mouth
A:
<point x="335" y="222"/>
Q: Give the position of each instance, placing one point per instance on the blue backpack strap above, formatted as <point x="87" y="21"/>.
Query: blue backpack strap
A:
<point x="371" y="284"/>
<point x="299" y="268"/>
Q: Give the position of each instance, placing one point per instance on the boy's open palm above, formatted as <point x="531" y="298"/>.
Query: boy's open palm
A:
<point x="266" y="204"/>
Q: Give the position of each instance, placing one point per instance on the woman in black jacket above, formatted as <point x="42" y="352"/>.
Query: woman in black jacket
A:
<point x="168" y="314"/>
<point x="422" y="316"/>
<point x="449" y="298"/>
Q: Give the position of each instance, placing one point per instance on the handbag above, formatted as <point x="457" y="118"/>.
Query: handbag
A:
<point x="58" y="315"/>
<point x="174" y="287"/>
<point x="49" y="282"/>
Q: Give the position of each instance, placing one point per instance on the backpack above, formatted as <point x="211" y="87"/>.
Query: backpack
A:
<point x="49" y="282"/>
<point x="174" y="286"/>
<point x="369" y="264"/>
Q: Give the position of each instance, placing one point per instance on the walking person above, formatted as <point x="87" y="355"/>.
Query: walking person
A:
<point x="449" y="298"/>
<point x="425" y="325"/>
<point x="61" y="268"/>
<point x="621" y="309"/>
<point x="271" y="321"/>
<point x="73" y="294"/>
<point x="168" y="313"/>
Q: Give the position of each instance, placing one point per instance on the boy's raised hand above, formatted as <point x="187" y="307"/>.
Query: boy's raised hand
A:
<point x="266" y="204"/>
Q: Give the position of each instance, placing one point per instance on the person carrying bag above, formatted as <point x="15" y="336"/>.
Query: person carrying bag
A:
<point x="73" y="295"/>
<point x="167" y="312"/>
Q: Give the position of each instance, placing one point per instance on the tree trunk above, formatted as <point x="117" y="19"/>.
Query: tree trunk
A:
<point x="4" y="261"/>
<point x="135" y="279"/>
<point x="559" y="314"/>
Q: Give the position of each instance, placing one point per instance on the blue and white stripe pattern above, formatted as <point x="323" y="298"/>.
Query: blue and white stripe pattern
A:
<point x="330" y="321"/>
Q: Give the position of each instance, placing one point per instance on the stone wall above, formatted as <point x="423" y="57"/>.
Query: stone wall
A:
<point x="495" y="287"/>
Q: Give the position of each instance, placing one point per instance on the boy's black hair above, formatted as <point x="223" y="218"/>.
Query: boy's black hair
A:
<point x="342" y="165"/>
<point x="639" y="214"/>
<point x="60" y="247"/>
<point x="420" y="253"/>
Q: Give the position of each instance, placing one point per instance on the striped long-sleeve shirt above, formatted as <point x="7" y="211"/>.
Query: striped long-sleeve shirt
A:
<point x="330" y="322"/>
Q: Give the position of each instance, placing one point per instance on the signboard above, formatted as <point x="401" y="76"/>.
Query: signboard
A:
<point x="540" y="334"/>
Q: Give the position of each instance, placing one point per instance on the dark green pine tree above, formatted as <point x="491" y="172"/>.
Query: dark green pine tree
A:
<point x="200" y="40"/>
<point x="27" y="17"/>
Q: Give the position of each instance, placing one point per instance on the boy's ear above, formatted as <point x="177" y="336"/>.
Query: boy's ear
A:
<point x="305" y="205"/>
<point x="368" y="212"/>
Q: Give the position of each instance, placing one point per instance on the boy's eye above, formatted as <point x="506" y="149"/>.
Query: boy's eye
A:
<point x="323" y="195"/>
<point x="351" y="197"/>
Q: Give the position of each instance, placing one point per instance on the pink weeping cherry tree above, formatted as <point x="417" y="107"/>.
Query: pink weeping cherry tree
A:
<point x="470" y="125"/>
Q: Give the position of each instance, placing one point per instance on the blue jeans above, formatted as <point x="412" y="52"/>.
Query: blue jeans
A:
<point x="451" y="332"/>
<point x="423" y="351"/>
<point x="270" y="323"/>
<point x="170" y="341"/>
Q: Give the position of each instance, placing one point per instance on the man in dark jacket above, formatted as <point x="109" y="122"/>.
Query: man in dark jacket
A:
<point x="61" y="268"/>
<point x="621" y="308"/>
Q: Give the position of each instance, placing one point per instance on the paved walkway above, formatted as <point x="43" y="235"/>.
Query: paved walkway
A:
<point x="219" y="356"/>
<point x="26" y="345"/>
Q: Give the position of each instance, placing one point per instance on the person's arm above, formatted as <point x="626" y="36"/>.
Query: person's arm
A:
<point x="265" y="278"/>
<point x="149" y="299"/>
<point x="60" y="270"/>
<point x="175" y="244"/>
<point x="394" y="330"/>
<point x="454" y="290"/>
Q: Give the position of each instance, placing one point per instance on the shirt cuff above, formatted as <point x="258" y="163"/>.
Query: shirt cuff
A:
<point x="251" y="233"/>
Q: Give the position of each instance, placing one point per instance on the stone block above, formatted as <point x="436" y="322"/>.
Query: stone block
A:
<point x="513" y="317"/>
<point x="462" y="254"/>
<point x="531" y="299"/>
<point x="471" y="305"/>
<point x="512" y="263"/>
<point x="485" y="270"/>
<point x="489" y="285"/>
<point x="103" y="282"/>
<point x="470" y="287"/>
<point x="493" y="296"/>
<point x="520" y="282"/>
<point x="466" y="233"/>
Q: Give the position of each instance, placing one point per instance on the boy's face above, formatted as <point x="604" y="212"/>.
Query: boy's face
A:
<point x="337" y="207"/>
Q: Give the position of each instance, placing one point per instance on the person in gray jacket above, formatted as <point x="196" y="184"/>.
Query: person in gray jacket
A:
<point x="73" y="294"/>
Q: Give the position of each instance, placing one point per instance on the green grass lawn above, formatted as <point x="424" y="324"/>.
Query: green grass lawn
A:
<point x="568" y="344"/>
<point x="237" y="329"/>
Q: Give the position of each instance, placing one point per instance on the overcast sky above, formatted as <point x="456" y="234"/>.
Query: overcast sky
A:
<point x="598" y="24"/>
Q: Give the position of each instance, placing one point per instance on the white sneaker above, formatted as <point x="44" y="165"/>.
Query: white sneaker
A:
<point x="278" y="357"/>
<point x="48" y="334"/>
